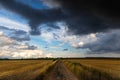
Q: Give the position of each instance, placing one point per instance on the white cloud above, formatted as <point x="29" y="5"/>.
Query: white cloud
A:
<point x="64" y="36"/>
<point x="101" y="42"/>
<point x="1" y="33"/>
<point x="18" y="54"/>
<point x="80" y="41"/>
<point x="104" y="42"/>
<point x="13" y="24"/>
<point x="5" y="54"/>
<point x="5" y="41"/>
<point x="51" y="3"/>
<point x="81" y="44"/>
<point x="54" y="34"/>
<point x="92" y="35"/>
<point x="48" y="55"/>
<point x="47" y="36"/>
<point x="10" y="48"/>
<point x="27" y="54"/>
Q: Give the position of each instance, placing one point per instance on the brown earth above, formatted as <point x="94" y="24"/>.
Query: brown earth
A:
<point x="60" y="72"/>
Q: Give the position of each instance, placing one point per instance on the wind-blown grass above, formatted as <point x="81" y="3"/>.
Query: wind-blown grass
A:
<point x="84" y="72"/>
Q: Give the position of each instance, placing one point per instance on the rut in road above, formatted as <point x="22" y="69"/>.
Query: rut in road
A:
<point x="60" y="72"/>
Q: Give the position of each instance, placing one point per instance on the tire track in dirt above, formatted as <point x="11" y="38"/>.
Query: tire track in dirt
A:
<point x="60" y="72"/>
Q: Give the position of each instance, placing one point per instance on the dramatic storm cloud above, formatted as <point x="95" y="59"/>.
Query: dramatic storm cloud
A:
<point x="15" y="34"/>
<point x="81" y="16"/>
<point x="99" y="42"/>
<point x="105" y="43"/>
<point x="20" y="35"/>
<point x="60" y="27"/>
<point x="34" y="16"/>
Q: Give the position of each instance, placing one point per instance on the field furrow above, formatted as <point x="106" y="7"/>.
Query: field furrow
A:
<point x="60" y="69"/>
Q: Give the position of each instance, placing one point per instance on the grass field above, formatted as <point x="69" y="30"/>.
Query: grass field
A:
<point x="23" y="69"/>
<point x="66" y="69"/>
<point x="97" y="68"/>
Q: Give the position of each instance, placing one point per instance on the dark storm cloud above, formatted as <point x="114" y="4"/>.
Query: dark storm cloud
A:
<point x="65" y="49"/>
<point x="105" y="43"/>
<point x="82" y="16"/>
<point x="18" y="35"/>
<point x="34" y="16"/>
<point x="89" y="16"/>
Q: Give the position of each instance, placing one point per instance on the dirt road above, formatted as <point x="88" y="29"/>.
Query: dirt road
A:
<point x="60" y="72"/>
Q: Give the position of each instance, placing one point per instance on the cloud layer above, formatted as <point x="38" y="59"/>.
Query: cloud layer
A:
<point x="12" y="24"/>
<point x="107" y="42"/>
<point x="10" y="48"/>
<point x="15" y="34"/>
<point x="102" y="42"/>
<point x="82" y="17"/>
<point x="84" y="24"/>
<point x="14" y="30"/>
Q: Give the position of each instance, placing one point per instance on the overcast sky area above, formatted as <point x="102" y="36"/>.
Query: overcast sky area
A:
<point x="59" y="28"/>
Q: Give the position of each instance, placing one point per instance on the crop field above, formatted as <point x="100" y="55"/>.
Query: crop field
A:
<point x="61" y="69"/>
<point x="23" y="69"/>
<point x="95" y="69"/>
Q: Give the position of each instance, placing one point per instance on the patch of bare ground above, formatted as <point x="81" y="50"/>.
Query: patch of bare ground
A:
<point x="58" y="72"/>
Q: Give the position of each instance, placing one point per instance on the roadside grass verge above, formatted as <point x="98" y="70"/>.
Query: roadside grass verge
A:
<point x="46" y="71"/>
<point x="88" y="73"/>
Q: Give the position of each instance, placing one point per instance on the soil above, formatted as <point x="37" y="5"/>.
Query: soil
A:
<point x="60" y="72"/>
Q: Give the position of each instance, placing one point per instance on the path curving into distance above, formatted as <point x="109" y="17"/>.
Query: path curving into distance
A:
<point x="59" y="72"/>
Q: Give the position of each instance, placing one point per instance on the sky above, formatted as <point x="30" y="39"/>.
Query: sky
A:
<point x="59" y="28"/>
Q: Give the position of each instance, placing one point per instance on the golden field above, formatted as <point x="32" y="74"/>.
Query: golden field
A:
<point x="60" y="69"/>
<point x="23" y="69"/>
<point x="109" y="67"/>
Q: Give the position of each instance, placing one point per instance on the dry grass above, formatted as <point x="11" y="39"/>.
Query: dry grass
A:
<point x="23" y="70"/>
<point x="109" y="68"/>
<point x="83" y="69"/>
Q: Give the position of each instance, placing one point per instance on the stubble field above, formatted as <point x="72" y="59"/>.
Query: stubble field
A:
<point x="60" y="69"/>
